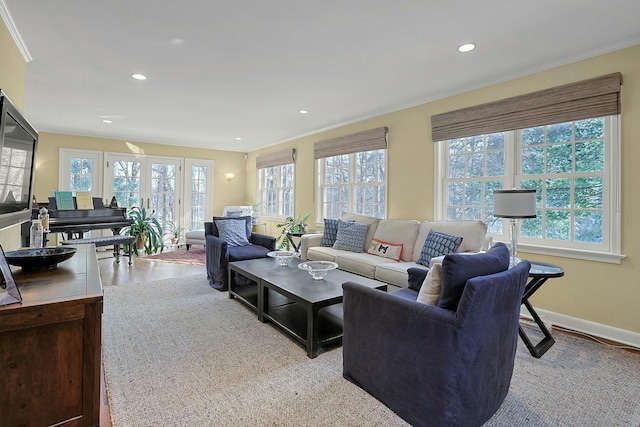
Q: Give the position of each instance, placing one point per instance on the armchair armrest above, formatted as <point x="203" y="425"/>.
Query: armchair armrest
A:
<point x="208" y="228"/>
<point x="264" y="240"/>
<point x="416" y="277"/>
<point x="307" y="241"/>
<point x="216" y="260"/>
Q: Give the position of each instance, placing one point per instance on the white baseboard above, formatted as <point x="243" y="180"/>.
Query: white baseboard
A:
<point x="622" y="336"/>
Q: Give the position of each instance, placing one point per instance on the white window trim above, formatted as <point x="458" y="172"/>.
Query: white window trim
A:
<point x="319" y="184"/>
<point x="613" y="178"/>
<point x="209" y="165"/>
<point x="64" y="158"/>
<point x="259" y="183"/>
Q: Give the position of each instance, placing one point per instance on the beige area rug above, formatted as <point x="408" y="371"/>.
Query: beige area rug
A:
<point x="178" y="353"/>
<point x="195" y="255"/>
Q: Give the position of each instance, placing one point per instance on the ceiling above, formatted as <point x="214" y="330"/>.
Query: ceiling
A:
<point x="222" y="70"/>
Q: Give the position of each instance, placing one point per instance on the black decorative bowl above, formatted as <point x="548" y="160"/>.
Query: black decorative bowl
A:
<point x="39" y="258"/>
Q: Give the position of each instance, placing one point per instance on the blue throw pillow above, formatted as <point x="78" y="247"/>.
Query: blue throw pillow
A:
<point x="232" y="231"/>
<point x="438" y="244"/>
<point x="351" y="236"/>
<point x="458" y="268"/>
<point x="330" y="232"/>
<point x="245" y="219"/>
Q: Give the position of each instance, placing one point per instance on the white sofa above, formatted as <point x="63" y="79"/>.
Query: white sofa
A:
<point x="412" y="234"/>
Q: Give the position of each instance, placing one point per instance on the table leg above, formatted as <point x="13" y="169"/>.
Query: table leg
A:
<point x="541" y="348"/>
<point x="263" y="301"/>
<point x="312" y="332"/>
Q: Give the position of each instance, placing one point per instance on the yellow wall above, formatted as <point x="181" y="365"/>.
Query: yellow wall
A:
<point x="603" y="293"/>
<point x="12" y="71"/>
<point x="12" y="75"/>
<point x="225" y="192"/>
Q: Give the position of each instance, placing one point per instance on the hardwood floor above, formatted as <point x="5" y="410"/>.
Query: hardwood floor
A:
<point x="123" y="274"/>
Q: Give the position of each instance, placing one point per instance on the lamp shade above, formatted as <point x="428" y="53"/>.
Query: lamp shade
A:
<point x="514" y="203"/>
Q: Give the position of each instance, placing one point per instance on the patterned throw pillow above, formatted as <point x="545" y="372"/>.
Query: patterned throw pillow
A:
<point x="430" y="290"/>
<point x="351" y="236"/>
<point x="232" y="231"/>
<point x="386" y="249"/>
<point x="330" y="232"/>
<point x="438" y="244"/>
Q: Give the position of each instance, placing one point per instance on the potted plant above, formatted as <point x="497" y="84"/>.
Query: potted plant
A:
<point x="146" y="227"/>
<point x="173" y="231"/>
<point x="290" y="227"/>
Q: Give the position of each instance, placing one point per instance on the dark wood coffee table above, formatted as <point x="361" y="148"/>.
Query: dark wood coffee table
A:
<point x="308" y="310"/>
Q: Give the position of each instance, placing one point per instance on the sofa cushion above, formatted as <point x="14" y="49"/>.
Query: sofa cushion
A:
<point x="393" y="272"/>
<point x="246" y="219"/>
<point x="362" y="219"/>
<point x="330" y="232"/>
<point x="241" y="253"/>
<point x="430" y="290"/>
<point x="385" y="249"/>
<point x="320" y="253"/>
<point x="232" y="231"/>
<point x="438" y="244"/>
<point x="363" y="264"/>
<point x="457" y="269"/>
<point x="398" y="231"/>
<point x="351" y="236"/>
<point x="473" y="234"/>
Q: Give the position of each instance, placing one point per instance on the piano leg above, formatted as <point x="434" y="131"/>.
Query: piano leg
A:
<point x="116" y="252"/>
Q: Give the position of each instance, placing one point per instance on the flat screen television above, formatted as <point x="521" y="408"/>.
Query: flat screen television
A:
<point x="18" y="141"/>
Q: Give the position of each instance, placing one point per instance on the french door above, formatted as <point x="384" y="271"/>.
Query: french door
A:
<point x="146" y="181"/>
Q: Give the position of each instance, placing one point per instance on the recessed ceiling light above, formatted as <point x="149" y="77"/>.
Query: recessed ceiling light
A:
<point x="303" y="112"/>
<point x="467" y="47"/>
<point x="139" y="76"/>
<point x="238" y="138"/>
<point x="107" y="121"/>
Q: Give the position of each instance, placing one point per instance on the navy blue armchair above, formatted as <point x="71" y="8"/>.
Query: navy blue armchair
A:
<point x="436" y="366"/>
<point x="219" y="253"/>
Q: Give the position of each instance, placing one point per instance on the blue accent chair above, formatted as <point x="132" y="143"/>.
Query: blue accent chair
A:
<point x="219" y="254"/>
<point x="436" y="366"/>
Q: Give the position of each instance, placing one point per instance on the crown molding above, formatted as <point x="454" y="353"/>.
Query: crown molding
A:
<point x="13" y="30"/>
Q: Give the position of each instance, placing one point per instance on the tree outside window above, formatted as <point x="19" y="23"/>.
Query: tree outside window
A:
<point x="568" y="164"/>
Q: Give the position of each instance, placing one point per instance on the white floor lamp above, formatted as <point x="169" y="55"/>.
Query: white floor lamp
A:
<point x="515" y="205"/>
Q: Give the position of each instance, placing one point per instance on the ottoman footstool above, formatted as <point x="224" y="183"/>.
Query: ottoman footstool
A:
<point x="194" y="237"/>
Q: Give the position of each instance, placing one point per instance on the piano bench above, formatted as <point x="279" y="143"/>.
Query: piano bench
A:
<point x="115" y="240"/>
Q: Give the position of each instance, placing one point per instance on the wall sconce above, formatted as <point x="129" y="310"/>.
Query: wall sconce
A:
<point x="229" y="176"/>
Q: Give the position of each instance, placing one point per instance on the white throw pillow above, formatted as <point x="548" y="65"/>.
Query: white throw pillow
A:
<point x="430" y="290"/>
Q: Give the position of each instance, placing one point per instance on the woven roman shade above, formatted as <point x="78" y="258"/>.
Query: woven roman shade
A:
<point x="373" y="139"/>
<point x="595" y="97"/>
<point x="276" y="159"/>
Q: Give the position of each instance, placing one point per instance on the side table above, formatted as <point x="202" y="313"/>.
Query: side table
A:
<point x="539" y="273"/>
<point x="290" y="242"/>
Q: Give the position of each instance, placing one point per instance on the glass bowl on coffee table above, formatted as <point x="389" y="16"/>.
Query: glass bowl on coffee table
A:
<point x="283" y="257"/>
<point x="318" y="269"/>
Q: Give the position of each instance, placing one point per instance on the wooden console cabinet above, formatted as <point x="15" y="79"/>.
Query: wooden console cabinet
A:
<point x="50" y="346"/>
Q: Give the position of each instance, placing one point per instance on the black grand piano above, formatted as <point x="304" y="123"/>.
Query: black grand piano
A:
<point x="74" y="222"/>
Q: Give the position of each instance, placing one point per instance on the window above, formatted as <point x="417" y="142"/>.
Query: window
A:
<point x="352" y="174"/>
<point x="276" y="191"/>
<point x="276" y="173"/>
<point x="354" y="183"/>
<point x="573" y="168"/>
